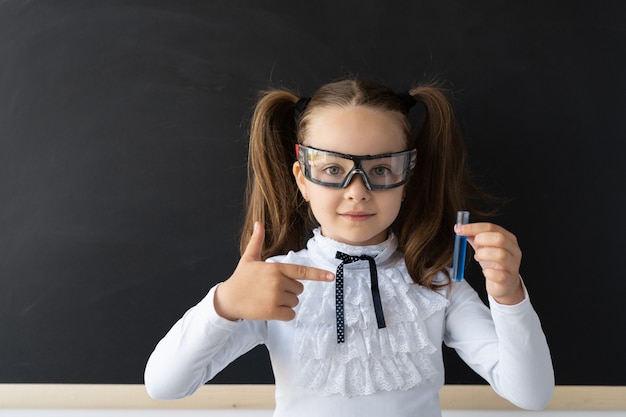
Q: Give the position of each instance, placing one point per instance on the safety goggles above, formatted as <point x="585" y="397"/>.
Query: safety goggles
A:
<point x="335" y="170"/>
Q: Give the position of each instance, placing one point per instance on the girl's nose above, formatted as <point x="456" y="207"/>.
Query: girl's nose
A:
<point x="356" y="189"/>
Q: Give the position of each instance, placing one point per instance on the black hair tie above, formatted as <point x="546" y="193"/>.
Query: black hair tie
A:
<point x="407" y="100"/>
<point x="300" y="108"/>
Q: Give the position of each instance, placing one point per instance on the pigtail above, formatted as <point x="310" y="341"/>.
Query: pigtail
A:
<point x="440" y="185"/>
<point x="272" y="196"/>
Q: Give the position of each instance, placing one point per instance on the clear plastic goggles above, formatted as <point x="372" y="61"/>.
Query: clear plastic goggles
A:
<point x="332" y="169"/>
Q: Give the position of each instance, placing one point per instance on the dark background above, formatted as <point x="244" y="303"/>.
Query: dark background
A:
<point x="123" y="151"/>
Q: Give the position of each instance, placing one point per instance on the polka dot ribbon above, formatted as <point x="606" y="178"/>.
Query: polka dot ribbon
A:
<point x="378" y="307"/>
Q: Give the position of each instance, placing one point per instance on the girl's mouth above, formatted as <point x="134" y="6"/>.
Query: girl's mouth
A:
<point x="356" y="216"/>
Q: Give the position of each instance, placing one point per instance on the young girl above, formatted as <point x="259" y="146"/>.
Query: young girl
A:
<point x="354" y="322"/>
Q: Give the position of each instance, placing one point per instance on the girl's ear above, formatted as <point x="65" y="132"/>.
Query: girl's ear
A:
<point x="300" y="180"/>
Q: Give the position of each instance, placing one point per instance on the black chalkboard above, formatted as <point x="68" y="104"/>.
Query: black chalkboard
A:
<point x="123" y="151"/>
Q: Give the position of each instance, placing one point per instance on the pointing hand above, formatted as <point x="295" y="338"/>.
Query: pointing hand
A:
<point x="260" y="290"/>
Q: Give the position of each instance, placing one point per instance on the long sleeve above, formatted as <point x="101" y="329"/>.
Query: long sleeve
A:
<point x="504" y="344"/>
<point x="196" y="348"/>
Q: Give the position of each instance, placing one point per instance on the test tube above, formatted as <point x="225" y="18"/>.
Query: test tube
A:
<point x="460" y="245"/>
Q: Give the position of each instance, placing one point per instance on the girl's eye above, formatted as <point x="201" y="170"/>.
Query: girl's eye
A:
<point x="380" y="171"/>
<point x="333" y="170"/>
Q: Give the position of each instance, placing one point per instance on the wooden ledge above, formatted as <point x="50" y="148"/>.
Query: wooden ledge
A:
<point x="453" y="397"/>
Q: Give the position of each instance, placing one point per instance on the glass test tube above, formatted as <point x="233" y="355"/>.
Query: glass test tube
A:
<point x="460" y="245"/>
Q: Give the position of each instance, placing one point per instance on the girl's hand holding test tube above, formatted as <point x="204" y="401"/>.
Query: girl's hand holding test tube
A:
<point x="499" y="255"/>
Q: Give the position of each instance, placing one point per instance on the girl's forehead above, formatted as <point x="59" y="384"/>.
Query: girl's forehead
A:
<point x="356" y="130"/>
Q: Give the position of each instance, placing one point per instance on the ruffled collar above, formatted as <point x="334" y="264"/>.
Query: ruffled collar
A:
<point x="396" y="357"/>
<point x="322" y="249"/>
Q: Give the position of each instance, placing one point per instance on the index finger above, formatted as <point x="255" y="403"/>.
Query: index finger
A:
<point x="473" y="229"/>
<point x="301" y="272"/>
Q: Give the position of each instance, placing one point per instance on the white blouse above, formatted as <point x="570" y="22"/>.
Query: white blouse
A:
<point x="396" y="370"/>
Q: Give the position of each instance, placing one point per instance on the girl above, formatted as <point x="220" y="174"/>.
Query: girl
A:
<point x="355" y="321"/>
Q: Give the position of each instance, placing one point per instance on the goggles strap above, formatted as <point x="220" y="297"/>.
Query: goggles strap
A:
<point x="378" y="307"/>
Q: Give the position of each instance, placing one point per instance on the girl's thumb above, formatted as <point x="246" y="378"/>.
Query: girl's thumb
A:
<point x="255" y="245"/>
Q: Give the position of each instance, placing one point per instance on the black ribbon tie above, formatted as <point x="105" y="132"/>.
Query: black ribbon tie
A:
<point x="378" y="306"/>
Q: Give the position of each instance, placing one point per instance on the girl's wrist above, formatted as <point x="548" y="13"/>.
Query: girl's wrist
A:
<point x="514" y="297"/>
<point x="219" y="305"/>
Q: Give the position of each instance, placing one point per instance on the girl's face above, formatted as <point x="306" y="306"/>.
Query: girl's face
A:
<point x="353" y="215"/>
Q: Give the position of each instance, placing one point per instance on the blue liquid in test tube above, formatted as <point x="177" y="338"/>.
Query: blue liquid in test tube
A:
<point x="460" y="246"/>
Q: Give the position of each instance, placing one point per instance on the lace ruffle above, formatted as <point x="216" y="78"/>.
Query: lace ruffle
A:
<point x="393" y="358"/>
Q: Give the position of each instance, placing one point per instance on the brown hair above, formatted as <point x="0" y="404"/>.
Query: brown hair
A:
<point x="439" y="186"/>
